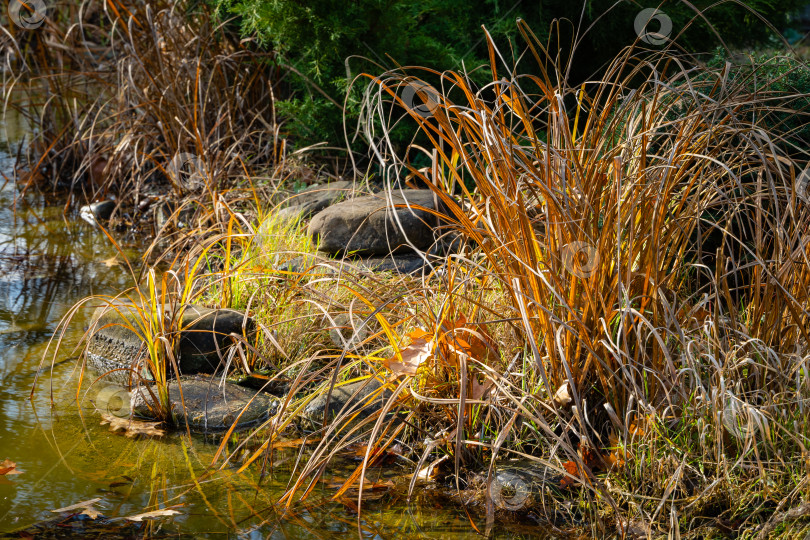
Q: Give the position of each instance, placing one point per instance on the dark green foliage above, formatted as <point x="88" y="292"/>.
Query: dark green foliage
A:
<point x="784" y="82"/>
<point x="316" y="37"/>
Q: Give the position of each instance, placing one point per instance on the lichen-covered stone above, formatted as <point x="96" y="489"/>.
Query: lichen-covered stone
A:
<point x="118" y="351"/>
<point x="209" y="405"/>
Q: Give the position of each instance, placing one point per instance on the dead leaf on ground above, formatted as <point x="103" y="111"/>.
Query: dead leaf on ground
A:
<point x="132" y="428"/>
<point x="85" y="507"/>
<point x="573" y="469"/>
<point x="477" y="390"/>
<point x="413" y="355"/>
<point x="562" y="397"/>
<point x="8" y="467"/>
<point x="164" y="512"/>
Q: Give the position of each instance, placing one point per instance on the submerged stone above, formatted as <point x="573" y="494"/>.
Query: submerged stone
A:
<point x="117" y="348"/>
<point x="208" y="405"/>
<point x="518" y="485"/>
<point x="342" y="395"/>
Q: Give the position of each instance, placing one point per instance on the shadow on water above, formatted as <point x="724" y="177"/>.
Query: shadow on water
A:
<point x="48" y="261"/>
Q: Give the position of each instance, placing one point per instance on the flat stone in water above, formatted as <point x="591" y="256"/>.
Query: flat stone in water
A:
<point x="209" y="405"/>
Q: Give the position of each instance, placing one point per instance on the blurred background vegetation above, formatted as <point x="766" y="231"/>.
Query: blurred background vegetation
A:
<point x="325" y="44"/>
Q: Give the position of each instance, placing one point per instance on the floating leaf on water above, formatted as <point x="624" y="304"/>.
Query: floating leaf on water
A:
<point x="132" y="428"/>
<point x="8" y="467"/>
<point x="85" y="507"/>
<point x="154" y="514"/>
<point x="112" y="261"/>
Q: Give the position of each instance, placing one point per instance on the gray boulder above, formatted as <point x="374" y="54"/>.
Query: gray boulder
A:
<point x="315" y="198"/>
<point x="341" y="395"/>
<point x="208" y="405"/>
<point x="368" y="226"/>
<point x="117" y="349"/>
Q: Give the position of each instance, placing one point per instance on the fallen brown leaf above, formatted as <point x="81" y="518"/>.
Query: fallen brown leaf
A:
<point x="87" y="508"/>
<point x="477" y="390"/>
<point x="112" y="261"/>
<point x="413" y="356"/>
<point x="8" y="467"/>
<point x="132" y="428"/>
<point x="572" y="469"/>
<point x="154" y="514"/>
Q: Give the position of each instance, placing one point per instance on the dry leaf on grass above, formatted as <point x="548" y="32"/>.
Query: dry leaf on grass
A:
<point x="573" y="469"/>
<point x="562" y="397"/>
<point x="8" y="467"/>
<point x="132" y="428"/>
<point x="154" y="514"/>
<point x="85" y="507"/>
<point x="413" y="355"/>
<point x="477" y="390"/>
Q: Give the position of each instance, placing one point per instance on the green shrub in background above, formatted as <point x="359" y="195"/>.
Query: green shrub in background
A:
<point x="327" y="42"/>
<point x="784" y="81"/>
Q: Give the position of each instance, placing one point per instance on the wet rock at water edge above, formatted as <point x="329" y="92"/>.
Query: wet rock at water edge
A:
<point x="368" y="226"/>
<point x="341" y="395"/>
<point x="315" y="198"/>
<point x="97" y="211"/>
<point x="208" y="405"/>
<point x="117" y="349"/>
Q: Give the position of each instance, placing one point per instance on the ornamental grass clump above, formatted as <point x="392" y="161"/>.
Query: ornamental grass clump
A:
<point x="642" y="251"/>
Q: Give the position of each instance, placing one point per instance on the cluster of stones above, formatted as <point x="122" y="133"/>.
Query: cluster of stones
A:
<point x="384" y="231"/>
<point x="198" y="397"/>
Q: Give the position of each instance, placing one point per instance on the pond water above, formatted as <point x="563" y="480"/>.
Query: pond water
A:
<point x="50" y="259"/>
